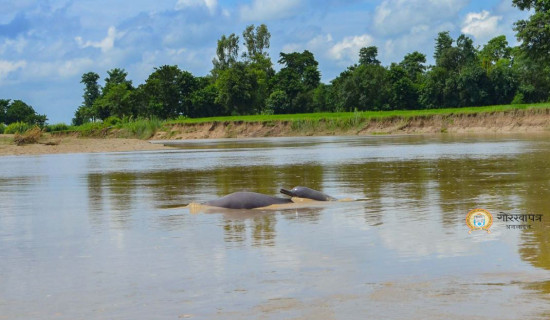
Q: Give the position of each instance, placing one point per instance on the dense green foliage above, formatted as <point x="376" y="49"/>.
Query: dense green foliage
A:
<point x="463" y="75"/>
<point x="17" y="127"/>
<point x="19" y="111"/>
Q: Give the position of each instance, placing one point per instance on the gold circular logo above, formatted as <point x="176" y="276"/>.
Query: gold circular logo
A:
<point x="479" y="219"/>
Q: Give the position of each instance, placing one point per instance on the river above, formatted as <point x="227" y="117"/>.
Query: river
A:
<point x="108" y="235"/>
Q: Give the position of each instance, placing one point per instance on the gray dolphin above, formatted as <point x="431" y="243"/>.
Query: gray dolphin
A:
<point x="246" y="200"/>
<point x="305" y="192"/>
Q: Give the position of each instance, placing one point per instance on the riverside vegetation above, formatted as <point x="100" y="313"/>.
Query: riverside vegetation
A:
<point x="244" y="87"/>
<point x="357" y="122"/>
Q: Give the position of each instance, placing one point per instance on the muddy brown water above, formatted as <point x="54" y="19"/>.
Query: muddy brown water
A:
<point x="107" y="236"/>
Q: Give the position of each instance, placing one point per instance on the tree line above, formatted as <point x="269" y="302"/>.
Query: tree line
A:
<point x="243" y="80"/>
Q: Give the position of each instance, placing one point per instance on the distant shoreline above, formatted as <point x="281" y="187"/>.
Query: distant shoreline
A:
<point x="532" y="120"/>
<point x="510" y="121"/>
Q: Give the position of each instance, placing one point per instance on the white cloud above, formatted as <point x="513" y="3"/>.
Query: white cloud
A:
<point x="264" y="10"/>
<point x="105" y="45"/>
<point x="482" y="25"/>
<point x="210" y="4"/>
<point x="58" y="69"/>
<point x="349" y="47"/>
<point x="7" y="67"/>
<point x="398" y="16"/>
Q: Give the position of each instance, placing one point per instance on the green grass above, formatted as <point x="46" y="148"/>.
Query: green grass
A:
<point x="302" y="122"/>
<point x="139" y="128"/>
<point x="355" y="118"/>
<point x="17" y="127"/>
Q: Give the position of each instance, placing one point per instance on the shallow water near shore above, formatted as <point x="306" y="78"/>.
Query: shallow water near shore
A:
<point x="108" y="236"/>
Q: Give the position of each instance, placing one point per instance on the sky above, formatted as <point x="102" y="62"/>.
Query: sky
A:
<point x="46" y="45"/>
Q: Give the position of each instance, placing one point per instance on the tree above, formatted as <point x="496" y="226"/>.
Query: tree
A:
<point x="368" y="56"/>
<point x="91" y="88"/>
<point x="116" y="101"/>
<point x="363" y="87"/>
<point x="443" y="43"/>
<point x="116" y="76"/>
<point x="4" y="104"/>
<point x="473" y="86"/>
<point x="496" y="49"/>
<point x="534" y="33"/>
<point x="413" y="64"/>
<point x="227" y="53"/>
<point x="297" y="79"/>
<point x="404" y="93"/>
<point x="504" y="81"/>
<point x="19" y="111"/>
<point x="203" y="99"/>
<point x="235" y="87"/>
<point x="161" y="95"/>
<point x="115" y="96"/>
<point x="256" y="41"/>
<point x="86" y="112"/>
<point x="467" y="52"/>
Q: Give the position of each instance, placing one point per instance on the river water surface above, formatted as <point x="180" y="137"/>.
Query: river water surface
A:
<point x="108" y="236"/>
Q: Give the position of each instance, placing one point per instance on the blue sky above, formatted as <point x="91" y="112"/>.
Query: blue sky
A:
<point x="46" y="45"/>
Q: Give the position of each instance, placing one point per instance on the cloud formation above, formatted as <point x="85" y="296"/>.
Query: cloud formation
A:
<point x="211" y="5"/>
<point x="105" y="44"/>
<point x="9" y="66"/>
<point x="268" y="10"/>
<point x="482" y="25"/>
<point x="349" y="47"/>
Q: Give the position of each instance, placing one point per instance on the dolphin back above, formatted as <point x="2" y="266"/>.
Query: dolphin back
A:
<point x="246" y="200"/>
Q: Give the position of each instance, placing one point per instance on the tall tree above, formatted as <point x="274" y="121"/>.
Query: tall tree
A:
<point x="443" y="42"/>
<point x="413" y="64"/>
<point x="256" y="41"/>
<point x="227" y="53"/>
<point x="86" y="111"/>
<point x="162" y="92"/>
<point x="534" y="33"/>
<point x="115" y="77"/>
<point x="494" y="50"/>
<point x="235" y="87"/>
<point x="367" y="55"/>
<point x="91" y="88"/>
<point x="297" y="79"/>
<point x="115" y="95"/>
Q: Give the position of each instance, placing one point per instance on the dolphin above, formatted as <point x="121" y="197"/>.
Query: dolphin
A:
<point x="246" y="200"/>
<point x="308" y="193"/>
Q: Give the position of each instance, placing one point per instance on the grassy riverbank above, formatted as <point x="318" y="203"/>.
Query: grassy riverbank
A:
<point x="497" y="118"/>
<point x="128" y="135"/>
<point x="362" y="115"/>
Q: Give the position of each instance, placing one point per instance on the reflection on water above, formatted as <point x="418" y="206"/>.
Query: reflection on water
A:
<point x="108" y="235"/>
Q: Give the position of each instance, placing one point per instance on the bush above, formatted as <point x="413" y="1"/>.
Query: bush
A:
<point x="142" y="128"/>
<point x="518" y="98"/>
<point x="30" y="136"/>
<point x="17" y="127"/>
<point x="92" y="129"/>
<point x="2" y="128"/>
<point x="112" y="121"/>
<point x="56" y="127"/>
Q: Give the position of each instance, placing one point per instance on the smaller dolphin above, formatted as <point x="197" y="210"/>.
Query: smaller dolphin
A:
<point x="308" y="193"/>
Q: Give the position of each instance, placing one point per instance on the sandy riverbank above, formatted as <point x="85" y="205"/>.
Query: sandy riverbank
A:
<point x="71" y="144"/>
<point x="521" y="121"/>
<point x="516" y="121"/>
